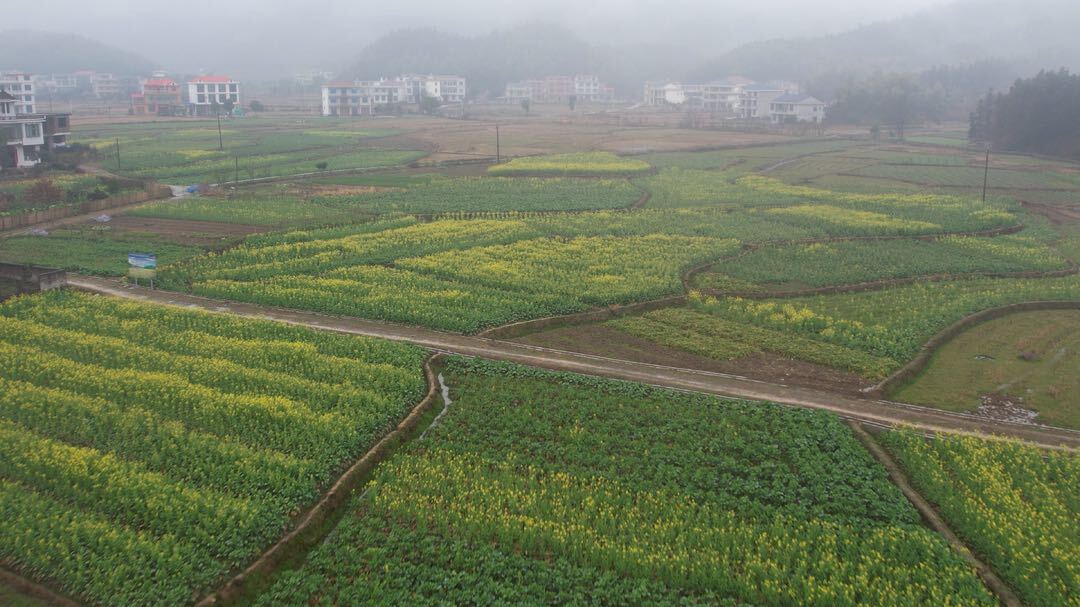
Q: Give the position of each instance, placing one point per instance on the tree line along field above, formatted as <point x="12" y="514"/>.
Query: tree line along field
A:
<point x="542" y="488"/>
<point x="148" y="451"/>
<point x="187" y="152"/>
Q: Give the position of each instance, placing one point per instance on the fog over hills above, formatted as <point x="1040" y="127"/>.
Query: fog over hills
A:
<point x="490" y="42"/>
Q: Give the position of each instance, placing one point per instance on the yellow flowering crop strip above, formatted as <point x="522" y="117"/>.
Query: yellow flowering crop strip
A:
<point x="1016" y="505"/>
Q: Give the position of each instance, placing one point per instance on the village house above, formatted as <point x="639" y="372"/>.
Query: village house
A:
<point x="363" y="97"/>
<point x="210" y="95"/>
<point x="558" y="89"/>
<point x="20" y="86"/>
<point x="797" y="108"/>
<point x="159" y="96"/>
<point x="22" y="135"/>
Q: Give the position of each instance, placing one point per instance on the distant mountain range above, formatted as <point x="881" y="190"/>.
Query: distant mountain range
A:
<point x="1029" y="34"/>
<point x="1025" y="34"/>
<point x="48" y="52"/>
<point x="527" y="51"/>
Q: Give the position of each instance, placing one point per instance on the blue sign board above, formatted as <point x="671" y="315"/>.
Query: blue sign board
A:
<point x="147" y="261"/>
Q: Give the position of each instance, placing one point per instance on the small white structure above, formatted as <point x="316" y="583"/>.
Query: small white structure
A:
<point x="21" y="135"/>
<point x="21" y="87"/>
<point x="797" y="108"/>
<point x="206" y="93"/>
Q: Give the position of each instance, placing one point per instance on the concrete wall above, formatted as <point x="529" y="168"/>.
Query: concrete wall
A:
<point x="33" y="279"/>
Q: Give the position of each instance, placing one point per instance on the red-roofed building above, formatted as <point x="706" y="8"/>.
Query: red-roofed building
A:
<point x="210" y="95"/>
<point x="159" y="96"/>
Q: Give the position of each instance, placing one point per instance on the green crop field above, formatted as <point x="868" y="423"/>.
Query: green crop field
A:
<point x="540" y="488"/>
<point x="89" y="251"/>
<point x="56" y="188"/>
<point x="147" y="451"/>
<point x="891" y="323"/>
<point x="465" y="275"/>
<point x="1029" y="357"/>
<point x="585" y="163"/>
<point x="1016" y="505"/>
<point x="188" y="152"/>
<point x="839" y="263"/>
<point x="495" y="194"/>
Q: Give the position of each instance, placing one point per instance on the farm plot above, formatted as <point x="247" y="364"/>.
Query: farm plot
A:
<point x="270" y="206"/>
<point x="839" y="263"/>
<point x="494" y="194"/>
<point x="466" y="275"/>
<point x="890" y="323"/>
<point x="1016" y="505"/>
<point x="90" y="251"/>
<point x="541" y="488"/>
<point x="55" y="189"/>
<point x="971" y="177"/>
<point x="746" y="158"/>
<point x="582" y="163"/>
<point x="1026" y="358"/>
<point x="188" y="152"/>
<point x="147" y="451"/>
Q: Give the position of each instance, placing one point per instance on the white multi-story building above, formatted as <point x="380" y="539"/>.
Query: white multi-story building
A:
<point x="21" y="87"/>
<point x="587" y="87"/>
<point x="207" y="95"/>
<point x="361" y="97"/>
<point x="21" y="135"/>
<point x="757" y="100"/>
<point x="450" y="89"/>
<point x="797" y="108"/>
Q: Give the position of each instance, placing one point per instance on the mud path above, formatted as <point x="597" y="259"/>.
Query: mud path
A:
<point x="869" y="410"/>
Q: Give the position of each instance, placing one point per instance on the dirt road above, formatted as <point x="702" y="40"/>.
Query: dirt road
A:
<point x="878" y="412"/>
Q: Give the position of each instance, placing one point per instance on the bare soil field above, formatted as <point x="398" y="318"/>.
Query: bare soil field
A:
<point x="600" y="340"/>
<point x="183" y="231"/>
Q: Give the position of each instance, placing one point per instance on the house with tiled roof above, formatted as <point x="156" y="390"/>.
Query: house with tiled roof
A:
<point x="159" y="97"/>
<point x="797" y="107"/>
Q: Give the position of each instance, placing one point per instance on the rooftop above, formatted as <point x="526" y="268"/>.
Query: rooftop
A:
<point x="212" y="79"/>
<point x="798" y="98"/>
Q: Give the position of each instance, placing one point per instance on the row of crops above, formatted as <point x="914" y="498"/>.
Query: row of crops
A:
<point x="283" y="206"/>
<point x="145" y="451"/>
<point x="540" y="488"/>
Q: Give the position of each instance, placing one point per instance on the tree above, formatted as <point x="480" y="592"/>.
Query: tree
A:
<point x="229" y="105"/>
<point x="1037" y="114"/>
<point x="321" y="165"/>
<point x="257" y="106"/>
<point x="429" y="104"/>
<point x="526" y="105"/>
<point x="896" y="100"/>
<point x="572" y="100"/>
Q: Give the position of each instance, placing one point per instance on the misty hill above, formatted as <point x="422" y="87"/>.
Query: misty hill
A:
<point x="489" y="61"/>
<point x="47" y="53"/>
<point x="1029" y="34"/>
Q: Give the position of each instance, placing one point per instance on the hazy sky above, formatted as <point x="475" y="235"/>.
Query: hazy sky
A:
<point x="276" y="36"/>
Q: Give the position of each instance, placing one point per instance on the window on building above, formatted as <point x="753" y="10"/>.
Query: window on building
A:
<point x="201" y="99"/>
<point x="232" y="88"/>
<point x="32" y="131"/>
<point x="201" y="88"/>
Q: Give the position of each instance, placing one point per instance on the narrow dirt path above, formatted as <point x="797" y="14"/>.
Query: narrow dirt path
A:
<point x="929" y="514"/>
<point x="877" y="412"/>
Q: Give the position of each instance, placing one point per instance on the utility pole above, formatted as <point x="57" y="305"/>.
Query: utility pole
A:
<point x="220" y="145"/>
<point x="498" y="149"/>
<point x="117" y="153"/>
<point x="986" y="172"/>
<point x="236" y="176"/>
